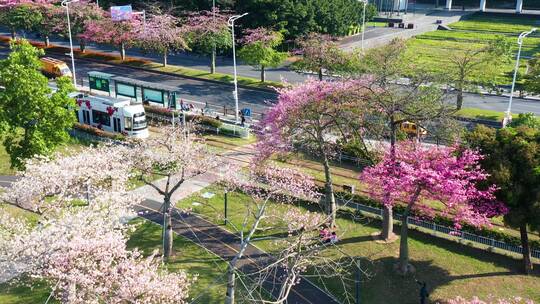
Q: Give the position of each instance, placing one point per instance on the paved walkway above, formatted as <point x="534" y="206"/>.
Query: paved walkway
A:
<point x="424" y="21"/>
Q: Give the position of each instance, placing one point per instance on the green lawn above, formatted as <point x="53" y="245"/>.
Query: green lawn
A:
<point x="188" y="256"/>
<point x="5" y="165"/>
<point x="432" y="50"/>
<point x="72" y="146"/>
<point x="481" y="114"/>
<point x="449" y="268"/>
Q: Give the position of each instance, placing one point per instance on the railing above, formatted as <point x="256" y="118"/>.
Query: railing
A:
<point x="225" y="129"/>
<point x="493" y="243"/>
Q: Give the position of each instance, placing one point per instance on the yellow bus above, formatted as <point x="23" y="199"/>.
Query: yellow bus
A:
<point x="412" y="129"/>
<point x="54" y="68"/>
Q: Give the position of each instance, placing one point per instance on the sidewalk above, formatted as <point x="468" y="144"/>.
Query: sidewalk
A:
<point x="220" y="241"/>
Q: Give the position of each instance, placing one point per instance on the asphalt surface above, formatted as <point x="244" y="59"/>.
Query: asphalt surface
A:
<point x="221" y="94"/>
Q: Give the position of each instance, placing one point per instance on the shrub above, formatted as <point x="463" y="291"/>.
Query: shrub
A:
<point x="98" y="132"/>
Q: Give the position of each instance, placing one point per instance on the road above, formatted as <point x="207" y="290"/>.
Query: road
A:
<point x="221" y="94"/>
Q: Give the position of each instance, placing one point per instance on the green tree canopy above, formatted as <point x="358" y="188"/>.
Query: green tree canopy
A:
<point x="35" y="120"/>
<point x="513" y="162"/>
<point x="532" y="79"/>
<point x="473" y="67"/>
<point x="21" y="18"/>
<point x="258" y="49"/>
<point x="296" y="18"/>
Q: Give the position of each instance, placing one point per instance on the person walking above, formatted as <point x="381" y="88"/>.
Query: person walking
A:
<point x="242" y="119"/>
<point x="423" y="292"/>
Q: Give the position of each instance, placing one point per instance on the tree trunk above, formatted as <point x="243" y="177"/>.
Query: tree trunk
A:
<point x="231" y="281"/>
<point x="213" y="61"/>
<point x="459" y="101"/>
<point x="527" y="264"/>
<point x="82" y="46"/>
<point x="329" y="191"/>
<point x="320" y="74"/>
<point x="263" y="78"/>
<point x="47" y="42"/>
<point x="403" y="264"/>
<point x="387" y="232"/>
<point x="70" y="295"/>
<point x="164" y="59"/>
<point x="122" y="51"/>
<point x="403" y="244"/>
<point x="167" y="228"/>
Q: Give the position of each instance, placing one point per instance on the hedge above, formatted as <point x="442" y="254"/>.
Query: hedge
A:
<point x="98" y="132"/>
<point x="203" y="120"/>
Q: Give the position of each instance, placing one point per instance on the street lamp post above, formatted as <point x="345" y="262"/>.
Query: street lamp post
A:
<point x="364" y="21"/>
<point x="65" y="3"/>
<point x="508" y="116"/>
<point x="230" y="22"/>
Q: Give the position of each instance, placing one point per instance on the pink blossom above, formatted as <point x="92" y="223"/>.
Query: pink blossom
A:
<point x="289" y="114"/>
<point x="438" y="173"/>
<point x="261" y="35"/>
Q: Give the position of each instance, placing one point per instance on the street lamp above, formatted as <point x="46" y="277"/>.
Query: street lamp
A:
<point x="363" y="21"/>
<point x="230" y="22"/>
<point x="65" y="3"/>
<point x="508" y="116"/>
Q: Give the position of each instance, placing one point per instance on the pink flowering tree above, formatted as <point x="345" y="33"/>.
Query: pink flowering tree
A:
<point x="312" y="116"/>
<point x="259" y="49"/>
<point x="279" y="184"/>
<point x="118" y="34"/>
<point x="438" y="173"/>
<point x="272" y="214"/>
<point x="208" y="32"/>
<point x="20" y="17"/>
<point x="79" y="13"/>
<point x="161" y="34"/>
<point x="52" y="16"/>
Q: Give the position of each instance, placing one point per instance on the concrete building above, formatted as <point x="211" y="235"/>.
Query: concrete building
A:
<point x="519" y="5"/>
<point x="402" y="5"/>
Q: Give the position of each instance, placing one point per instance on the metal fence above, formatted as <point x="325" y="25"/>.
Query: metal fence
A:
<point x="466" y="236"/>
<point x="225" y="129"/>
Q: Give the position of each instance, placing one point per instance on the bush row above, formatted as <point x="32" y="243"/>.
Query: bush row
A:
<point x="98" y="132"/>
<point x="199" y="119"/>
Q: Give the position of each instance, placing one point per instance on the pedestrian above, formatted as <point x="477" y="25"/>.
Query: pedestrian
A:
<point x="242" y="119"/>
<point x="423" y="292"/>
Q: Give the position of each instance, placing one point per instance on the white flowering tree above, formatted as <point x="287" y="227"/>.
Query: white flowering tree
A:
<point x="294" y="231"/>
<point x="52" y="182"/>
<point x="165" y="162"/>
<point x="80" y="249"/>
